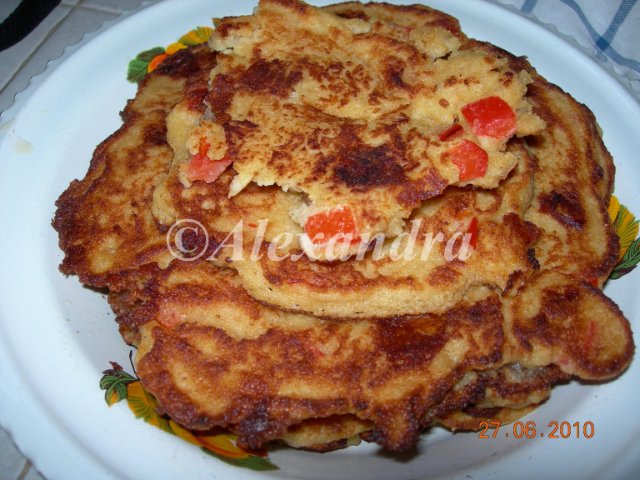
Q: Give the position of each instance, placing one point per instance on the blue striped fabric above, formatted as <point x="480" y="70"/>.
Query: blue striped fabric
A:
<point x="609" y="29"/>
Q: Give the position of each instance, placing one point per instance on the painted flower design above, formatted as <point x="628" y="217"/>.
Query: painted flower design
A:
<point x="626" y="227"/>
<point x="120" y="385"/>
<point x="147" y="61"/>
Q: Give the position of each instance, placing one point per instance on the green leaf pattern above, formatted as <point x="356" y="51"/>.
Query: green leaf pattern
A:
<point x="114" y="382"/>
<point x="629" y="261"/>
<point x="625" y="225"/>
<point x="139" y="65"/>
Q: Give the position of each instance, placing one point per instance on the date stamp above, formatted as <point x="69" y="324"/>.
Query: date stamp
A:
<point x="553" y="430"/>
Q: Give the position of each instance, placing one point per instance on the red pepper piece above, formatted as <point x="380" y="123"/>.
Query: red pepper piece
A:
<point x="323" y="226"/>
<point x="490" y="117"/>
<point x="200" y="167"/>
<point x="473" y="231"/>
<point x="471" y="160"/>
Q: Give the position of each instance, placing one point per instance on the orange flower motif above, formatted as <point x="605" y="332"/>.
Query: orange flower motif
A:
<point x="157" y="60"/>
<point x="119" y="385"/>
<point x="147" y="61"/>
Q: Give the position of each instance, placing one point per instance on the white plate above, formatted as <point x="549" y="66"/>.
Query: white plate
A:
<point x="56" y="337"/>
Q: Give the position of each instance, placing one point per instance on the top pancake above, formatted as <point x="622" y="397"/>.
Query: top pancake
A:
<point x="351" y="111"/>
<point x="364" y="287"/>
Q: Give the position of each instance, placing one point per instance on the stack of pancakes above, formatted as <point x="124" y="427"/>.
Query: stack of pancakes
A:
<point x="350" y="107"/>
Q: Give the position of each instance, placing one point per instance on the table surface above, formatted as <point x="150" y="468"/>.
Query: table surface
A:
<point x="67" y="25"/>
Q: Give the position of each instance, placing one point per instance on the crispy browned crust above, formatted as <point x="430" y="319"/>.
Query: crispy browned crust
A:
<point x="104" y="222"/>
<point x="573" y="325"/>
<point x="510" y="387"/>
<point x="420" y="16"/>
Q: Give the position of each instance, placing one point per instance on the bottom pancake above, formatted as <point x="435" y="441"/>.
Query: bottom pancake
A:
<point x="504" y="395"/>
<point x="215" y="357"/>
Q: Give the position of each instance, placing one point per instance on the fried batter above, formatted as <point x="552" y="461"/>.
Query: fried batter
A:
<point x="466" y="341"/>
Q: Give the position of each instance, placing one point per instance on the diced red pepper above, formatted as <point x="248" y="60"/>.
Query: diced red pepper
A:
<point x="593" y="281"/>
<point x="471" y="160"/>
<point x="323" y="226"/>
<point x="591" y="332"/>
<point x="200" y="167"/>
<point x="473" y="231"/>
<point x="490" y="117"/>
<point x="203" y="148"/>
<point x="450" y="132"/>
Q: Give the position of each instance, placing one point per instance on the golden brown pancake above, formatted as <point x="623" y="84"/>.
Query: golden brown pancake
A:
<point x="374" y="286"/>
<point x="215" y="356"/>
<point x="555" y="319"/>
<point x="379" y="285"/>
